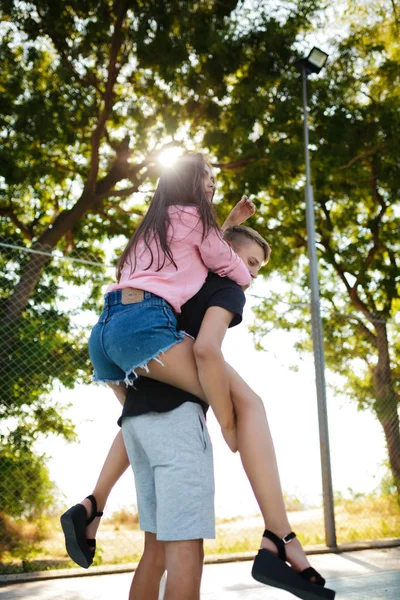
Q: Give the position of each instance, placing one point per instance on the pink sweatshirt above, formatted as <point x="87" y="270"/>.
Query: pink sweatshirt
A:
<point x="193" y="256"/>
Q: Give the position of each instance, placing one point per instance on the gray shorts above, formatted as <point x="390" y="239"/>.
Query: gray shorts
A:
<point x="172" y="460"/>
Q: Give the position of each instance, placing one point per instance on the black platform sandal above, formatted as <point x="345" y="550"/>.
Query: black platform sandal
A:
<point x="74" y="523"/>
<point x="273" y="570"/>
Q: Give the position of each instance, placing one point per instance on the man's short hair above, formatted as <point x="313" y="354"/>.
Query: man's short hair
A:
<point x="240" y="233"/>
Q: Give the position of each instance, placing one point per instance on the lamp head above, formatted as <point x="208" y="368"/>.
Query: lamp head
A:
<point x="314" y="62"/>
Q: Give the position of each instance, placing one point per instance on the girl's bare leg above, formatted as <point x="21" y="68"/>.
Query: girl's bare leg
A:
<point x="179" y="369"/>
<point x="115" y="465"/>
<point x="258" y="457"/>
<point x="254" y="441"/>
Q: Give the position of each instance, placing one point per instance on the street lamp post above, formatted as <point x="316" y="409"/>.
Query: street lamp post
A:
<point x="313" y="64"/>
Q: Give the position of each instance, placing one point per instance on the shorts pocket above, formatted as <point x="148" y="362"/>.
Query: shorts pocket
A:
<point x="158" y="437"/>
<point x="202" y="433"/>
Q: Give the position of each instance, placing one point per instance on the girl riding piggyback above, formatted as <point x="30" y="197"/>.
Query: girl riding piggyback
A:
<point x="164" y="264"/>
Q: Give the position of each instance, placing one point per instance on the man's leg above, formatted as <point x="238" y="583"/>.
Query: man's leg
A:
<point x="171" y="455"/>
<point x="184" y="482"/>
<point x="147" y="577"/>
<point x="184" y="563"/>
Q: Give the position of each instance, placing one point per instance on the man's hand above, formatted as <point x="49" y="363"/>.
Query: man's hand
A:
<point x="244" y="209"/>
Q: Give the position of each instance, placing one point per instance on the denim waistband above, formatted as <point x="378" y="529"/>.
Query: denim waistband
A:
<point x="114" y="297"/>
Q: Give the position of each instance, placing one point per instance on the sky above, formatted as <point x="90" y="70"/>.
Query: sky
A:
<point x="356" y="439"/>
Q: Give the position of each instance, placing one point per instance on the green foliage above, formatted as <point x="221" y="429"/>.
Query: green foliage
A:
<point x="30" y="493"/>
<point x="354" y="127"/>
<point x="387" y="486"/>
<point x="98" y="558"/>
<point x="88" y="97"/>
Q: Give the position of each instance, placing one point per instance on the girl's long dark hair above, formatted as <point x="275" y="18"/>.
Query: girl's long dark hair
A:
<point x="180" y="184"/>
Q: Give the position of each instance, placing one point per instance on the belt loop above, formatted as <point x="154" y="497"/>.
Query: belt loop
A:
<point x="147" y="295"/>
<point x="112" y="298"/>
<point x="104" y="314"/>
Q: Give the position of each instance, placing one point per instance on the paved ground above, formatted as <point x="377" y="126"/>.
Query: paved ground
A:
<point x="362" y="575"/>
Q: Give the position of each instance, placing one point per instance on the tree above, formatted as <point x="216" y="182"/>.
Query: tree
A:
<point x="355" y="127"/>
<point x="89" y="96"/>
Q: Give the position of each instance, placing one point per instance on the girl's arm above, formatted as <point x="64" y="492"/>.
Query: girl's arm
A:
<point x="219" y="257"/>
<point x="215" y="253"/>
<point x="212" y="371"/>
<point x="243" y="210"/>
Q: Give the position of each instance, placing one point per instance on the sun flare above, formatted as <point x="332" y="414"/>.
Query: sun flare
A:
<point x="169" y="156"/>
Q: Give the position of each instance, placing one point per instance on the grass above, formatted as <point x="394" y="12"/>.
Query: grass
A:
<point x="121" y="541"/>
<point x="367" y="519"/>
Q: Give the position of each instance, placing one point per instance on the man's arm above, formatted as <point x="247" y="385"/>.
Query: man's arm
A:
<point x="212" y="371"/>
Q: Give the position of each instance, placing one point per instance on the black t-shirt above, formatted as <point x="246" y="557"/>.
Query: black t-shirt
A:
<point x="149" y="395"/>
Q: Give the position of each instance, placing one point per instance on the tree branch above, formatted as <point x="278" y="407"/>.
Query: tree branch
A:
<point x="359" y="157"/>
<point x="108" y="96"/>
<point x="396" y="18"/>
<point x="120" y="193"/>
<point x="327" y="214"/>
<point x="112" y="144"/>
<point x="374" y="223"/>
<point x="102" y="210"/>
<point x="369" y="334"/>
<point x="236" y="164"/>
<point x="88" y="202"/>
<point x="89" y="80"/>
<point x="338" y="268"/>
<point x="7" y="211"/>
<point x="351" y="290"/>
<point x="361" y="306"/>
<point x="110" y="193"/>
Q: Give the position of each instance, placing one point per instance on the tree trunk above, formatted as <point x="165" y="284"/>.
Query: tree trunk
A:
<point x="387" y="402"/>
<point x="17" y="301"/>
<point x="15" y="304"/>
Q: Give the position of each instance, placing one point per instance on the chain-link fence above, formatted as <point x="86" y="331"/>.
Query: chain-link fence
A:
<point x="49" y="301"/>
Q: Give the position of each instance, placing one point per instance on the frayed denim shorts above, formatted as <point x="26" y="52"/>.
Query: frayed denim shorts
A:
<point x="128" y="336"/>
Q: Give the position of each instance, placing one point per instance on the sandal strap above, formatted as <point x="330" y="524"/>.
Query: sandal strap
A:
<point x="280" y="542"/>
<point x="95" y="512"/>
<point x="91" y="543"/>
<point x="309" y="573"/>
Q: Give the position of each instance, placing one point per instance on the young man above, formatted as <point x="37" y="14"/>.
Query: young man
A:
<point x="169" y="448"/>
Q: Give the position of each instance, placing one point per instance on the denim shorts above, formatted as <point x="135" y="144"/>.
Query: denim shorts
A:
<point x="128" y="336"/>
